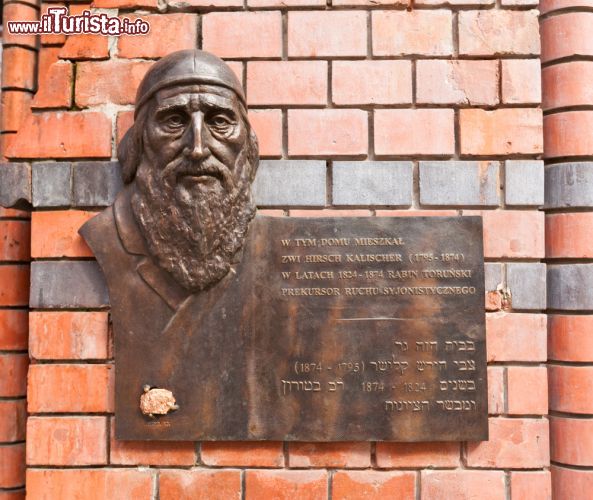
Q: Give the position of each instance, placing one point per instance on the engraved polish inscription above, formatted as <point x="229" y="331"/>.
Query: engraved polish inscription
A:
<point x="402" y="308"/>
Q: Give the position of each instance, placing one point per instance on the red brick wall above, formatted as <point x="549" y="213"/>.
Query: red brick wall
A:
<point x="368" y="83"/>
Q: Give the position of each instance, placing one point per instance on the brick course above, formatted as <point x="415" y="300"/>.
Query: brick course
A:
<point x="360" y="484"/>
<point x="95" y="83"/>
<point x="459" y="183"/>
<point x="566" y="84"/>
<point x="306" y="184"/>
<point x="63" y="135"/>
<point x="524" y="182"/>
<point x="83" y="47"/>
<point x="571" y="440"/>
<point x="562" y="36"/>
<point x="13" y="324"/>
<point x="327" y="132"/>
<point x="454" y="82"/>
<point x="569" y="339"/>
<point x="396" y="33"/>
<point x="527" y="283"/>
<point x="516" y="337"/>
<point x="520" y="81"/>
<point x="200" y="484"/>
<point x="371" y="82"/>
<point x="501" y="132"/>
<point x="231" y="34"/>
<point x="335" y="455"/>
<point x="67" y="284"/>
<point x="264" y="454"/>
<point x="15" y="107"/>
<point x="65" y="441"/>
<point x="57" y="89"/>
<point x="51" y="184"/>
<point x="168" y="33"/>
<point x="307" y="37"/>
<point x="372" y="183"/>
<point x="409" y="132"/>
<point x="489" y="32"/>
<point x="286" y="82"/>
<point x="487" y="485"/>
<point x="92" y="484"/>
<point x="70" y="388"/>
<point x="95" y="184"/>
<point x="417" y="455"/>
<point x="286" y="484"/>
<point x="68" y="335"/>
<point x="568" y="287"/>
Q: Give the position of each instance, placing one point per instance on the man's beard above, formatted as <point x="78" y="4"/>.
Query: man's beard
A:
<point x="194" y="232"/>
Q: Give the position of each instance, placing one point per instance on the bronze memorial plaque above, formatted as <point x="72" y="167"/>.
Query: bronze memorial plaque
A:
<point x="229" y="326"/>
<point x="328" y="330"/>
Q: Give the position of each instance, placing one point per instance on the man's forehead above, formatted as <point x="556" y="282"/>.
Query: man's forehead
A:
<point x="195" y="93"/>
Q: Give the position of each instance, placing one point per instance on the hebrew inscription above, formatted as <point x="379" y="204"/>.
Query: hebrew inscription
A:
<point x="329" y="330"/>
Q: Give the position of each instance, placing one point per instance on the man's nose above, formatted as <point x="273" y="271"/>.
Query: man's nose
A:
<point x="196" y="148"/>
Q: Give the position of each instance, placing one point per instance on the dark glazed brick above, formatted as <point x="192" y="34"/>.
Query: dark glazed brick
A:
<point x="570" y="287"/>
<point x="492" y="276"/>
<point x="569" y="185"/>
<point x="372" y="183"/>
<point x="524" y="182"/>
<point x="95" y="184"/>
<point x="52" y="184"/>
<point x="527" y="283"/>
<point x="15" y="185"/>
<point x="459" y="183"/>
<point x="67" y="284"/>
<point x="290" y="182"/>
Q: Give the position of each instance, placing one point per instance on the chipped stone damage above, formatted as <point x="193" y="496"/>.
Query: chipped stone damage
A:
<point x="157" y="401"/>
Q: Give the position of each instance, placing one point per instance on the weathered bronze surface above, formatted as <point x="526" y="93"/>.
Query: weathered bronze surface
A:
<point x="276" y="328"/>
<point x="329" y="329"/>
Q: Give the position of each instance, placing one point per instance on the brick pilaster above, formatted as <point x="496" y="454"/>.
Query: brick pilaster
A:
<point x="567" y="49"/>
<point x="19" y="82"/>
<point x="14" y="358"/>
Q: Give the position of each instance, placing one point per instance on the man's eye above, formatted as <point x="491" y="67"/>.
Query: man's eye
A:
<point x="220" y="122"/>
<point x="175" y="121"/>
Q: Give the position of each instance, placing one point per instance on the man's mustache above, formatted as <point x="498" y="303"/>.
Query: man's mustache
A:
<point x="180" y="167"/>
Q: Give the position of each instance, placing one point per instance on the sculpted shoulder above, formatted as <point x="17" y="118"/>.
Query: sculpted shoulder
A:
<point x="100" y="233"/>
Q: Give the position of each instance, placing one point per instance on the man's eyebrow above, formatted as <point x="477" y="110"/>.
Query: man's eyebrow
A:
<point x="171" y="107"/>
<point x="216" y="105"/>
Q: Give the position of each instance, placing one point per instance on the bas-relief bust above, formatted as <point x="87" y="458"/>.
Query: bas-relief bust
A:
<point x="188" y="163"/>
<point x="171" y="244"/>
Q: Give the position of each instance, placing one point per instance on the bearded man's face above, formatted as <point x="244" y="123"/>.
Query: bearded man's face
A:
<point x="193" y="199"/>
